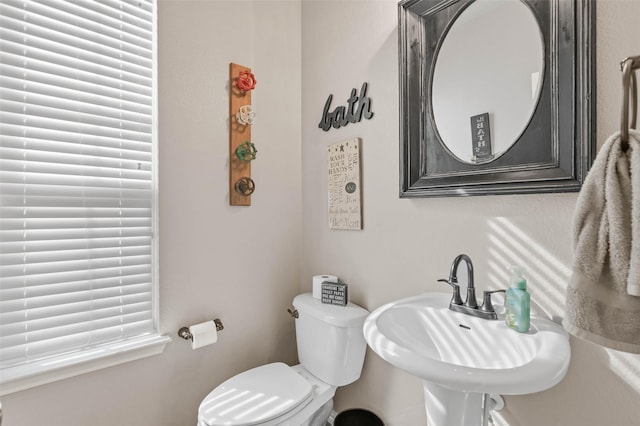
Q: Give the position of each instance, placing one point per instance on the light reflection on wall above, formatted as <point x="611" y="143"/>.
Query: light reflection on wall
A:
<point x="546" y="275"/>
<point x="627" y="366"/>
<point x="547" y="278"/>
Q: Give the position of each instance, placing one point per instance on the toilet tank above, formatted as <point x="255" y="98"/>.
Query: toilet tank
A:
<point x="331" y="343"/>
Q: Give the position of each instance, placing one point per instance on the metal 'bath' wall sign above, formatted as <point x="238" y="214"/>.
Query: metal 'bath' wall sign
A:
<point x="358" y="106"/>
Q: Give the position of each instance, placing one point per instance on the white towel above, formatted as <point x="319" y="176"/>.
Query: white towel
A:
<point x="603" y="295"/>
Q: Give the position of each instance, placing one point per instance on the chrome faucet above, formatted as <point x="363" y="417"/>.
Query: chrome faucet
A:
<point x="470" y="305"/>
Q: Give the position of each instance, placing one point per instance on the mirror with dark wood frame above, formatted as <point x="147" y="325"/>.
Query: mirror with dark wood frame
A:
<point x="496" y="96"/>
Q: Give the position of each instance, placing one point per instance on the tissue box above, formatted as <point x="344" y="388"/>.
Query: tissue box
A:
<point x="334" y="293"/>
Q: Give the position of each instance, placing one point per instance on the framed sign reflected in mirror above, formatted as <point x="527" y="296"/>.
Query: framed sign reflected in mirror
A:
<point x="496" y="96"/>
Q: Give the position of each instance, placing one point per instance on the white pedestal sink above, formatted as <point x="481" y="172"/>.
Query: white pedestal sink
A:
<point x="460" y="357"/>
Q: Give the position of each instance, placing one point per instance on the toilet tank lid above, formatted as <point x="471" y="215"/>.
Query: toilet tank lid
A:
<point x="351" y="315"/>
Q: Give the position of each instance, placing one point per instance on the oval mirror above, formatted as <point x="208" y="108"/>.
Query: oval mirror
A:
<point x="487" y="79"/>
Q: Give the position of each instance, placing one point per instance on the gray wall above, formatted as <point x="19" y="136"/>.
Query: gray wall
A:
<point x="407" y="244"/>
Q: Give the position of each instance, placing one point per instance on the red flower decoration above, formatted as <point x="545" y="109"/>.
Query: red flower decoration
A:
<point x="246" y="81"/>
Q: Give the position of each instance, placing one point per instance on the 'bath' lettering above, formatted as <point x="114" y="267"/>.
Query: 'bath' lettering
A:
<point x="357" y="107"/>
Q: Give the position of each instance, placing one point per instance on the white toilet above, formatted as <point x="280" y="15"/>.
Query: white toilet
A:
<point x="331" y="350"/>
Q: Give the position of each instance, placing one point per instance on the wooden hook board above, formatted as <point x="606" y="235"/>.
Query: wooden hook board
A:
<point x="238" y="134"/>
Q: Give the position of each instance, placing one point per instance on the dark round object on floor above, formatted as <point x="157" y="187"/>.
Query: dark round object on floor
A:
<point x="357" y="417"/>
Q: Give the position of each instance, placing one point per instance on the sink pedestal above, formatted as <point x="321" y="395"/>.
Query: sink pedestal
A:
<point x="446" y="407"/>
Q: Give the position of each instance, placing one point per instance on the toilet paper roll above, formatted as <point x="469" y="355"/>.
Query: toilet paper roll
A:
<point x="203" y="334"/>
<point x="317" y="284"/>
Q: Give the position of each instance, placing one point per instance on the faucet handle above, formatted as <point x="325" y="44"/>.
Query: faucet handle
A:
<point x="487" y="306"/>
<point x="455" y="299"/>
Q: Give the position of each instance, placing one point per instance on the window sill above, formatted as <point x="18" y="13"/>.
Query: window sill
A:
<point x="15" y="379"/>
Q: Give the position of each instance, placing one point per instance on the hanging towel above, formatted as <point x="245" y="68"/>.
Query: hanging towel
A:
<point x="603" y="295"/>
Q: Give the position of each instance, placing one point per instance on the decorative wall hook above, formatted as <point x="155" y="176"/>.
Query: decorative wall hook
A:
<point x="246" y="115"/>
<point x="246" y="151"/>
<point x="241" y="151"/>
<point x="246" y="81"/>
<point x="245" y="186"/>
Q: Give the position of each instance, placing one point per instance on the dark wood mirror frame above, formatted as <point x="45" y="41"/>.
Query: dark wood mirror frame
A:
<point x="556" y="149"/>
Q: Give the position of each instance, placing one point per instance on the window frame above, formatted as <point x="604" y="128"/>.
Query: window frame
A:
<point x="58" y="367"/>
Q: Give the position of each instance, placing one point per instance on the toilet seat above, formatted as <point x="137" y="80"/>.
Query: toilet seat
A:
<point x="255" y="397"/>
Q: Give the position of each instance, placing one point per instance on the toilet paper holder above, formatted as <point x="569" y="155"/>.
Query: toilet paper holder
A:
<point x="186" y="334"/>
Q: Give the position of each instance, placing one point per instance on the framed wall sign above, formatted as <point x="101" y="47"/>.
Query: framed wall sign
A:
<point x="345" y="198"/>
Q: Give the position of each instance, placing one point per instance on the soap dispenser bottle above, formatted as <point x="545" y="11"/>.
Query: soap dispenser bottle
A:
<point x="517" y="302"/>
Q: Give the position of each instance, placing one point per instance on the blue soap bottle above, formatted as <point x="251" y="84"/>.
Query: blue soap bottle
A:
<point x="517" y="302"/>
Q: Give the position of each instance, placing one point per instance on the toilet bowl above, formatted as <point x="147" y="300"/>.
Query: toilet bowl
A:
<point x="331" y="350"/>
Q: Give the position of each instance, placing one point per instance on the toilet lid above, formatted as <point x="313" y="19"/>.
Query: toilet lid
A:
<point x="255" y="396"/>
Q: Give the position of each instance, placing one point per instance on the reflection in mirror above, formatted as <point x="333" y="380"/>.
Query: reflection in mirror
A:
<point x="487" y="79"/>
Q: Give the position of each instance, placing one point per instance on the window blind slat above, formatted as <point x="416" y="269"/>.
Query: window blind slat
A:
<point x="73" y="143"/>
<point x="139" y="12"/>
<point x="87" y="202"/>
<point x="54" y="135"/>
<point x="54" y="311"/>
<point x="68" y="179"/>
<point x="93" y="43"/>
<point x="9" y="271"/>
<point x="27" y="122"/>
<point x="9" y="212"/>
<point x="72" y="234"/>
<point x="110" y="71"/>
<point x="76" y="175"/>
<point x="19" y="102"/>
<point x="88" y="164"/>
<point x="86" y="20"/>
<point x="135" y="325"/>
<point x="69" y="287"/>
<point x="51" y="312"/>
<point x="66" y="103"/>
<point x="66" y="47"/>
<point x="76" y="336"/>
<point x="71" y="244"/>
<point x="33" y="304"/>
<point x="80" y="192"/>
<point x="19" y="258"/>
<point x="83" y="156"/>
<point x="59" y="71"/>
<point x="38" y="81"/>
<point x="73" y="276"/>
<point x="86" y="323"/>
<point x="75" y="223"/>
<point x="135" y="180"/>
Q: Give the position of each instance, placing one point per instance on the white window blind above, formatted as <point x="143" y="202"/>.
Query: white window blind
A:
<point x="76" y="176"/>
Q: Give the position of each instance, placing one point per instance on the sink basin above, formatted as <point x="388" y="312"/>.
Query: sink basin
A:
<point x="460" y="357"/>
